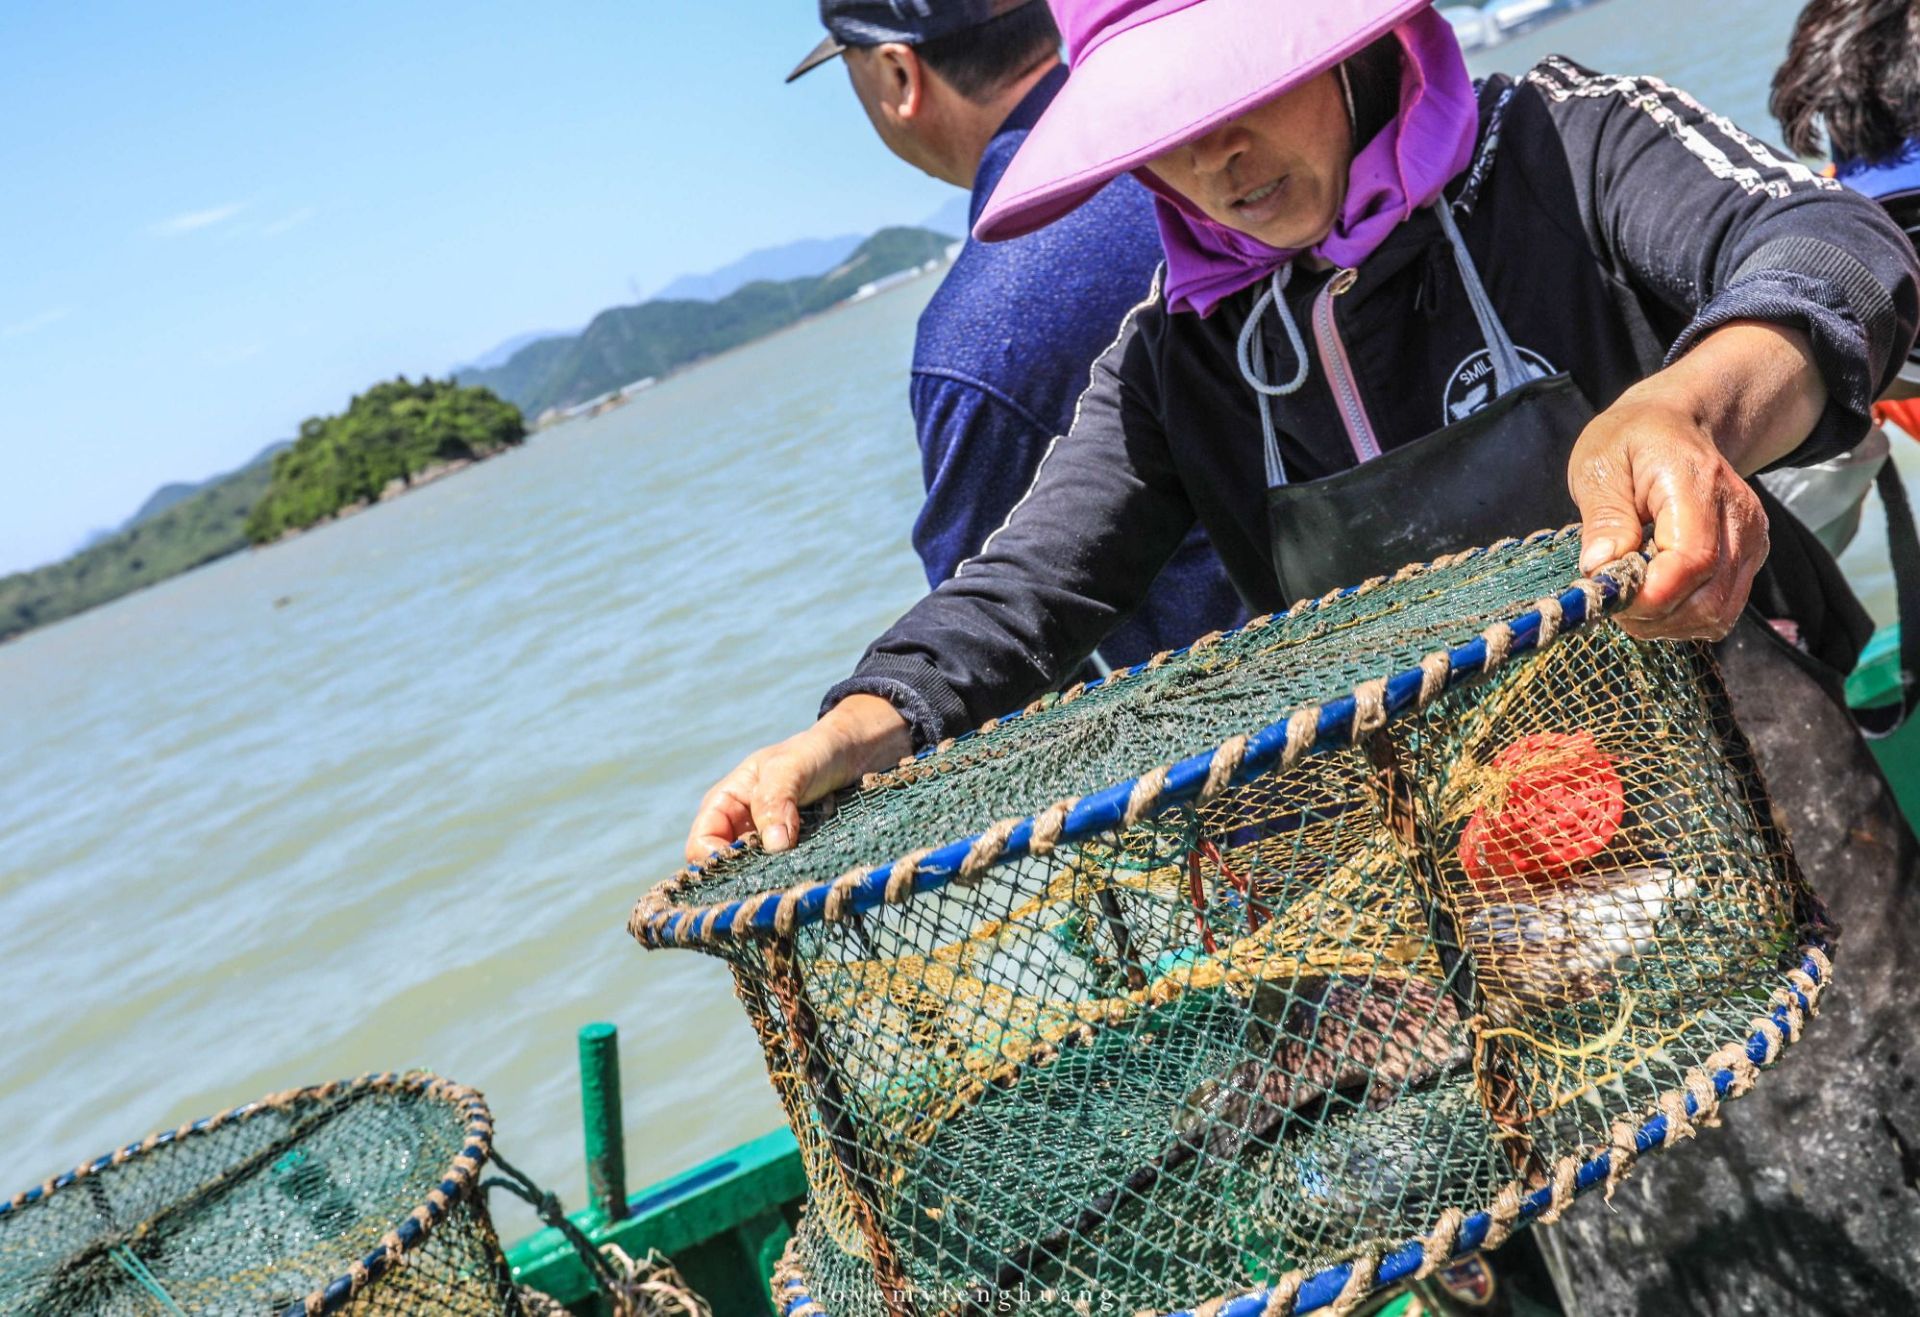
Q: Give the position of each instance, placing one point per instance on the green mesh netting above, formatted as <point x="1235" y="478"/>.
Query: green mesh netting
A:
<point x="1386" y="953"/>
<point x="354" y="1197"/>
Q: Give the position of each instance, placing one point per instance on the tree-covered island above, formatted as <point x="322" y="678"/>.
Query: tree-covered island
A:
<point x="390" y="437"/>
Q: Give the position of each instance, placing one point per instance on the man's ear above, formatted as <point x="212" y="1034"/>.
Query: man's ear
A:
<point x="903" y="81"/>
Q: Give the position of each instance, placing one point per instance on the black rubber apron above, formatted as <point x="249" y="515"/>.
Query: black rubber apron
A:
<point x="1500" y="472"/>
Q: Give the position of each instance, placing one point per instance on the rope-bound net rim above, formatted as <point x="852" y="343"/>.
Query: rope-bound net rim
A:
<point x="657" y="921"/>
<point x="407" y="1234"/>
<point x="1728" y="1074"/>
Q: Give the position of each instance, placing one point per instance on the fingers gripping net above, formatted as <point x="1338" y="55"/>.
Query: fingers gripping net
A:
<point x="1404" y="916"/>
<point x="355" y="1197"/>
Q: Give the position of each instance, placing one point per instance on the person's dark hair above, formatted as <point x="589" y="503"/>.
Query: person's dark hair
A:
<point x="1853" y="69"/>
<point x="1373" y="75"/>
<point x="980" y="60"/>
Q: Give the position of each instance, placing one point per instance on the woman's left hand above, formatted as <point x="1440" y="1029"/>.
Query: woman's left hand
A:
<point x="1673" y="452"/>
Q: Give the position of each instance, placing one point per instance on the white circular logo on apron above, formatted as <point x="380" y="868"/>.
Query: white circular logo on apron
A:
<point x="1471" y="387"/>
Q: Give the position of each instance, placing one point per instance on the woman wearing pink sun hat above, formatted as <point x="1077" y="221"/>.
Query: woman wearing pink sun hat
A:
<point x="1133" y="96"/>
<point x="1400" y="314"/>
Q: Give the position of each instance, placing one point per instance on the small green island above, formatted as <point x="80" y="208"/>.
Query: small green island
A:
<point x="395" y="435"/>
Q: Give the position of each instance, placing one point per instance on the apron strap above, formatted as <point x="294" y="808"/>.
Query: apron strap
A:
<point x="1903" y="554"/>
<point x="1510" y="371"/>
<point x="1489" y="149"/>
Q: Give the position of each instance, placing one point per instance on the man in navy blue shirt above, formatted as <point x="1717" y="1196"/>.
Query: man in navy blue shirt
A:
<point x="1004" y="347"/>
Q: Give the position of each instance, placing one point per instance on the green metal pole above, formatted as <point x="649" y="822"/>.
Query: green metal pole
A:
<point x="600" y="1120"/>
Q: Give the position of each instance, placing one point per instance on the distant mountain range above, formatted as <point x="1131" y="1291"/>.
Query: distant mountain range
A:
<point x="178" y="492"/>
<point x="787" y="260"/>
<point x="178" y="528"/>
<point x="499" y="354"/>
<point x="791" y="260"/>
<point x="628" y="343"/>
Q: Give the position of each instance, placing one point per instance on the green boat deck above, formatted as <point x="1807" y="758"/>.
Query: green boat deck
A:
<point x="723" y="1223"/>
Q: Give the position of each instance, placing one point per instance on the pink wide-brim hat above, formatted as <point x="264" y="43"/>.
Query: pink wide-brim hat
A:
<point x="1148" y="75"/>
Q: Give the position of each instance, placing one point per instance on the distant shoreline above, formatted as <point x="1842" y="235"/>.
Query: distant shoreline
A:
<point x="395" y="489"/>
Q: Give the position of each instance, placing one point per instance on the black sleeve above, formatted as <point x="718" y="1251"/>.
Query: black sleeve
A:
<point x="1076" y="555"/>
<point x="1696" y="214"/>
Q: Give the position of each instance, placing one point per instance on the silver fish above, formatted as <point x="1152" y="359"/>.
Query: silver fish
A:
<point x="1571" y="943"/>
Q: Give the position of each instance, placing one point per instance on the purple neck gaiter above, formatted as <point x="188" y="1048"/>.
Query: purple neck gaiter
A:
<point x="1400" y="171"/>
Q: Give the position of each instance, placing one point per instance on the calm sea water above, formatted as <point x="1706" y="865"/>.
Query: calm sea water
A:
<point x="382" y="796"/>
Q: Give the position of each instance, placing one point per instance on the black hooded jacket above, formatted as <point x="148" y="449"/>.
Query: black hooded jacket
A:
<point x="1614" y="221"/>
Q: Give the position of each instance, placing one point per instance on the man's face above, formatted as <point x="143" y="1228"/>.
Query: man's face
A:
<point x="892" y="88"/>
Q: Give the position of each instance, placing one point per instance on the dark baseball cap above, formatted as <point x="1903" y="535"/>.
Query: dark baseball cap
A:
<point x="875" y="22"/>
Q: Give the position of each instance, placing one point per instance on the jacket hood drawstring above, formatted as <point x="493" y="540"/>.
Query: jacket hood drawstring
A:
<point x="1253" y="363"/>
<point x="1510" y="369"/>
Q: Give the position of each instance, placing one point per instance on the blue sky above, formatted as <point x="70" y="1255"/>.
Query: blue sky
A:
<point x="220" y="219"/>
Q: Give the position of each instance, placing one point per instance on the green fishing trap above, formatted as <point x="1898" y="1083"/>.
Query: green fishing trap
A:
<point x="353" y="1197"/>
<point x="1270" y="972"/>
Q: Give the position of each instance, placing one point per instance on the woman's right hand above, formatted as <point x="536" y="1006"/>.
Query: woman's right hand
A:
<point x="862" y="734"/>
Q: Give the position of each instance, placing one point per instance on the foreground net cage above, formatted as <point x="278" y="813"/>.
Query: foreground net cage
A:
<point x="352" y="1197"/>
<point x="1272" y="972"/>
